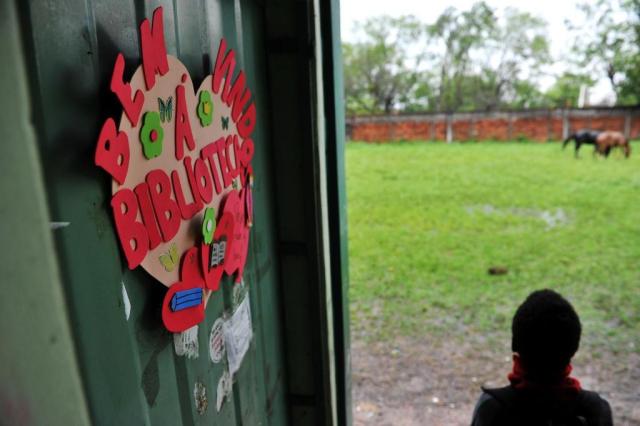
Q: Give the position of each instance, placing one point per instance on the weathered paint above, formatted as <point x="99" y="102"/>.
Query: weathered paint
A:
<point x="130" y="371"/>
<point x="39" y="373"/>
<point x="58" y="225"/>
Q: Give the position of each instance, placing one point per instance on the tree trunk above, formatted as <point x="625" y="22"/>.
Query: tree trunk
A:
<point x="388" y="104"/>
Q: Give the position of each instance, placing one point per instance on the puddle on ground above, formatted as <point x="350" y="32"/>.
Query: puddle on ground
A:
<point x="552" y="218"/>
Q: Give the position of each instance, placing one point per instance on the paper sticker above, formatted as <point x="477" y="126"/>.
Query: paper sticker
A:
<point x="126" y="301"/>
<point x="216" y="341"/>
<point x="237" y="335"/>
<point x="58" y="225"/>
<point x="200" y="398"/>
<point x="216" y="256"/>
<point x="186" y="343"/>
<point x="238" y="294"/>
<point x="225" y="386"/>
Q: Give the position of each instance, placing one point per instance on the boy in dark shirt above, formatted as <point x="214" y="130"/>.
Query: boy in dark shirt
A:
<point x="545" y="336"/>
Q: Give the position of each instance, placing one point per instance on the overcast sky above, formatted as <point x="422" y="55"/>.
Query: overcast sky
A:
<point x="553" y="11"/>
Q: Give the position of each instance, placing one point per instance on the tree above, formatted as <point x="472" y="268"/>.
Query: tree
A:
<point x="611" y="45"/>
<point x="527" y="95"/>
<point x="465" y="60"/>
<point x="381" y="69"/>
<point x="457" y="34"/>
<point x="566" y="90"/>
<point x="516" y="53"/>
<point x="487" y="62"/>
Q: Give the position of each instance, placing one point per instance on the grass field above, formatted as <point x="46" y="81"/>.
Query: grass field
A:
<point x="427" y="220"/>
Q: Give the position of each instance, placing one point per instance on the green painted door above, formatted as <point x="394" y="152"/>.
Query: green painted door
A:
<point x="130" y="370"/>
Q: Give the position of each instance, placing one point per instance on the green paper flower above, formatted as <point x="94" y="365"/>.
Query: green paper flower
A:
<point x="151" y="135"/>
<point x="208" y="224"/>
<point x="205" y="109"/>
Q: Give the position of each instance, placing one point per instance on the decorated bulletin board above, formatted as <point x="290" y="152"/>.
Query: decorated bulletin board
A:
<point x="180" y="160"/>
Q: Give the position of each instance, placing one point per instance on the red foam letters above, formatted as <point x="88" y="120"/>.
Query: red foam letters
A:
<point x="238" y="96"/>
<point x="154" y="51"/>
<point x="236" y="254"/>
<point x="234" y="170"/>
<point x="133" y="235"/>
<point x="222" y="159"/>
<point x="203" y="181"/>
<point x="207" y="154"/>
<point x="132" y="108"/>
<point x="245" y="152"/>
<point x="112" y="152"/>
<point x="167" y="212"/>
<point x="224" y="67"/>
<point x="148" y="217"/>
<point x="187" y="210"/>
<point x="247" y="121"/>
<point x="183" y="126"/>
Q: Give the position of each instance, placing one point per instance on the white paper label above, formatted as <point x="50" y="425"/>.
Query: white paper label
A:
<point x="186" y="343"/>
<point x="238" y="334"/>
<point x="216" y="341"/>
<point x="224" y="389"/>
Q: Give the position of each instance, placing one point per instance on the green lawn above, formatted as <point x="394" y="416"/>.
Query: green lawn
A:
<point x="427" y="220"/>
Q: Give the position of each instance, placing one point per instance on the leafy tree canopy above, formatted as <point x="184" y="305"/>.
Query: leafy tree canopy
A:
<point x="479" y="59"/>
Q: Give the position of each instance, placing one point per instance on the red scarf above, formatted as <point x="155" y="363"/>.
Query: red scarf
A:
<point x="565" y="387"/>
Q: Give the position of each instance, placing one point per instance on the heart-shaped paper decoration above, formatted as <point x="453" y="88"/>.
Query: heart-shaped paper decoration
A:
<point x="185" y="292"/>
<point x="205" y="168"/>
<point x="175" y="153"/>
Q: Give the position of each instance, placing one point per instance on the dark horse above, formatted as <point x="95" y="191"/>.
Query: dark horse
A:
<point x="586" y="137"/>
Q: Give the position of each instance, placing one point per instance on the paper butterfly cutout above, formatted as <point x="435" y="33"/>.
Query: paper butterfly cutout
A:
<point x="166" y="109"/>
<point x="170" y="260"/>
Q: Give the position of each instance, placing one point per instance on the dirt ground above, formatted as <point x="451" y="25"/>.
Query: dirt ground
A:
<point x="436" y="381"/>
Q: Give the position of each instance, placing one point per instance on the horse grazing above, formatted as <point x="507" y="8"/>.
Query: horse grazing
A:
<point x="582" y="137"/>
<point x="608" y="140"/>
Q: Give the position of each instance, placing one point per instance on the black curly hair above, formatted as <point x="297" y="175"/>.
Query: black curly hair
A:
<point x="546" y="334"/>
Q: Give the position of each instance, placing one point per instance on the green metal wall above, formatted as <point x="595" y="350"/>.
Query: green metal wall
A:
<point x="129" y="369"/>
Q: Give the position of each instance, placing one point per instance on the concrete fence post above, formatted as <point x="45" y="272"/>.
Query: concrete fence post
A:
<point x="449" y="129"/>
<point x="428" y="130"/>
<point x="565" y="124"/>
<point x="472" y="128"/>
<point x="627" y="124"/>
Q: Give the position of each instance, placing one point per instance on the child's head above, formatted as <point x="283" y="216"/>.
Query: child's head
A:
<point x="546" y="334"/>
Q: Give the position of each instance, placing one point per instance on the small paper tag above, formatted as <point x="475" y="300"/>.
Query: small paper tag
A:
<point x="238" y="334"/>
<point x="216" y="255"/>
<point x="224" y="389"/>
<point x="216" y="341"/>
<point x="186" y="343"/>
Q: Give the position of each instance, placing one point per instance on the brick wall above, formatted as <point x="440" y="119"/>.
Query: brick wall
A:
<point x="538" y="125"/>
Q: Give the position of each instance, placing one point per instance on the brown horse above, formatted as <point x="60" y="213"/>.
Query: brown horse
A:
<point x="608" y="140"/>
